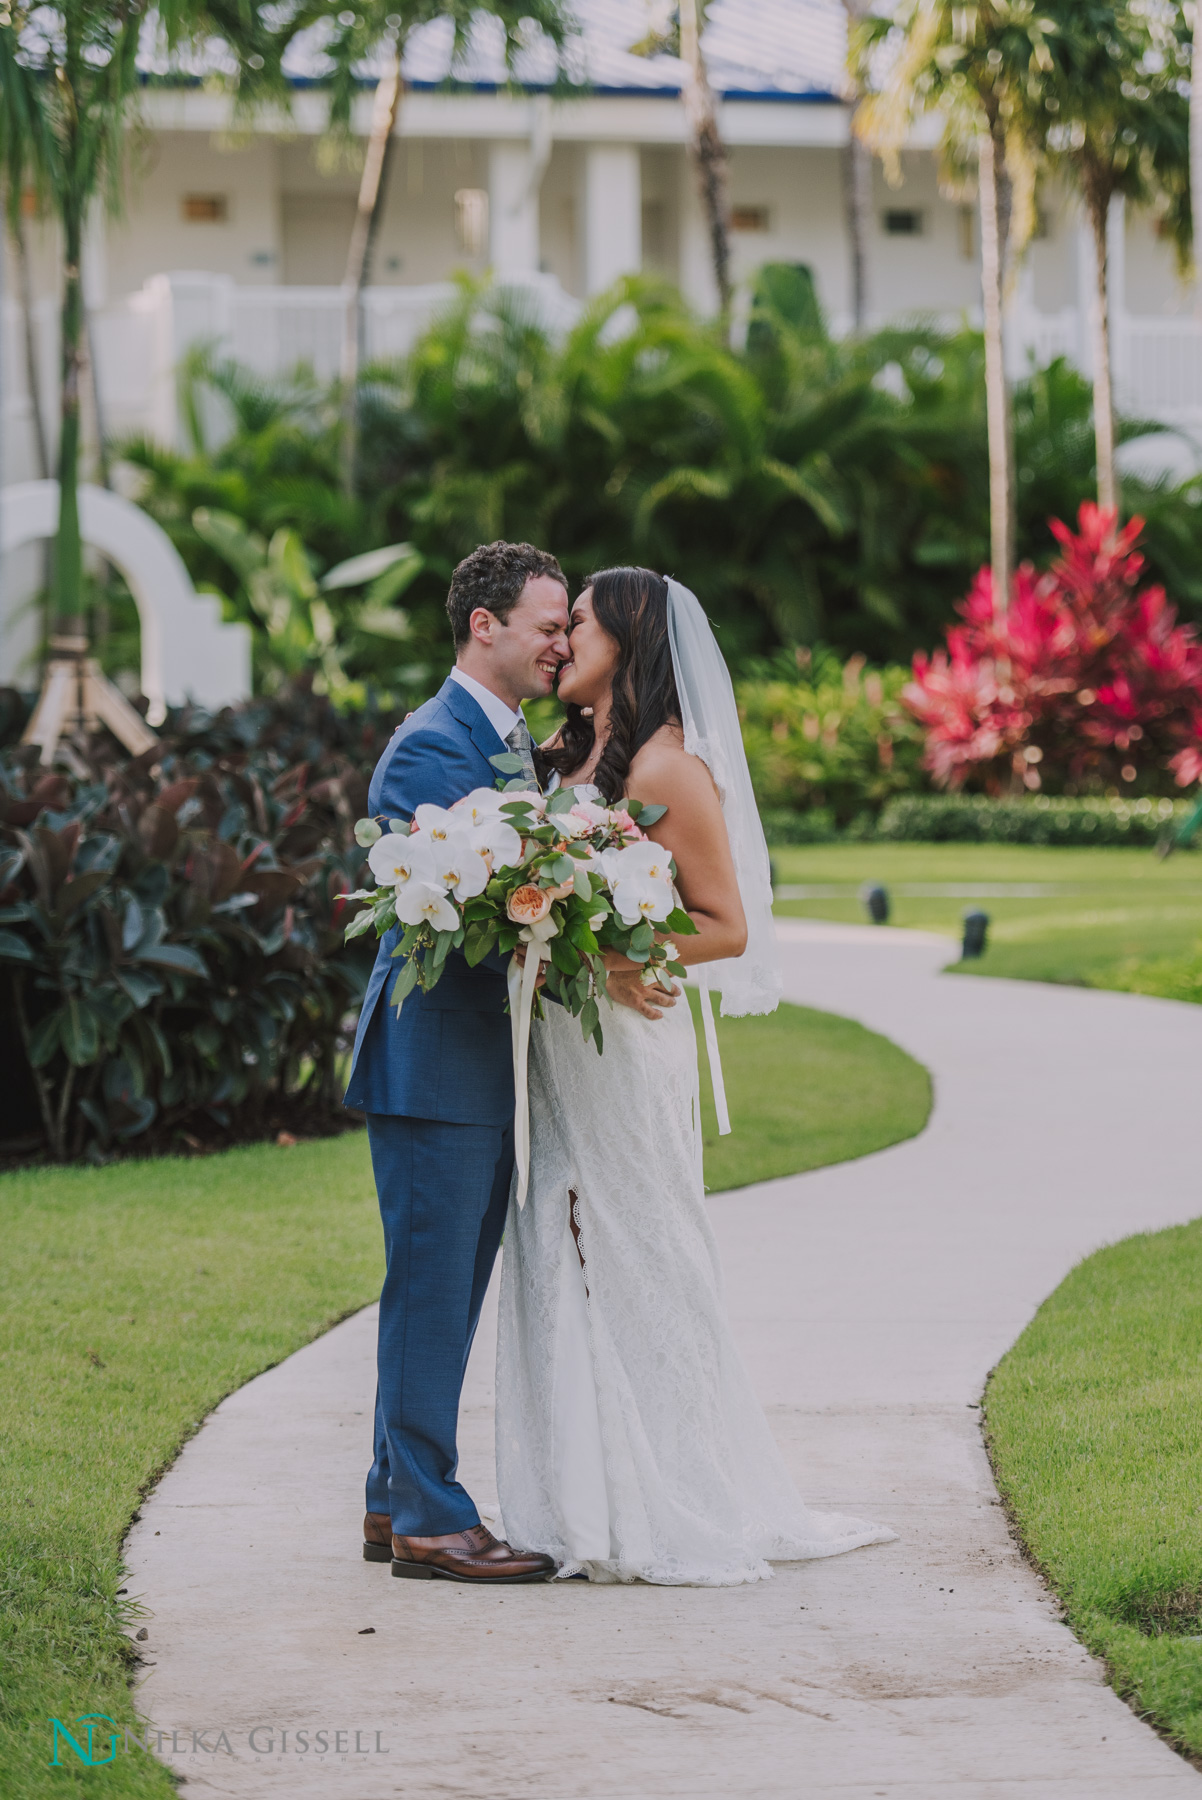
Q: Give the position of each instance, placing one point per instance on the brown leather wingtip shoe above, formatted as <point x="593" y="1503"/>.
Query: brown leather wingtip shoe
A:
<point x="471" y="1555"/>
<point x="377" y="1537"/>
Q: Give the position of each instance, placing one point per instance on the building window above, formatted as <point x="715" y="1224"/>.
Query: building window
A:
<point x="471" y="220"/>
<point x="749" y="218"/>
<point x="902" y="221"/>
<point x="205" y="209"/>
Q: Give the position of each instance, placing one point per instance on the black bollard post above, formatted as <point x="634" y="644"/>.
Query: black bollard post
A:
<point x="976" y="930"/>
<point x="876" y="901"/>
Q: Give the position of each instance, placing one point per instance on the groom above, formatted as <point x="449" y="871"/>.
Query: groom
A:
<point x="437" y="1087"/>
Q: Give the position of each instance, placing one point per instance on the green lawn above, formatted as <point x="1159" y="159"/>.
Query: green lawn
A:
<point x="134" y="1297"/>
<point x="1105" y="918"/>
<point x="1094" y="1421"/>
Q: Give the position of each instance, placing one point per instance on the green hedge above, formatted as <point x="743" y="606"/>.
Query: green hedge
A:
<point x="784" y="826"/>
<point x="1038" y="819"/>
<point x="974" y="819"/>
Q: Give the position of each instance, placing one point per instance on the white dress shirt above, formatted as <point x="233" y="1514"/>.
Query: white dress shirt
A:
<point x="499" y="716"/>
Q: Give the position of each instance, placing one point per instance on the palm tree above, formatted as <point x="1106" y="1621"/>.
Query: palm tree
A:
<point x="707" y="150"/>
<point x="857" y="188"/>
<point x="69" y="83"/>
<point x="974" y="68"/>
<point x="377" y="33"/>
<point x="1117" y="123"/>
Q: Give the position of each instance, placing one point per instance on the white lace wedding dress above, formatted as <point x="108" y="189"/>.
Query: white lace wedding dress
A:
<point x="630" y="1443"/>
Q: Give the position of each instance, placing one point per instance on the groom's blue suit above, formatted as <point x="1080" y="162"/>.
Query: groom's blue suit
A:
<point x="437" y="1087"/>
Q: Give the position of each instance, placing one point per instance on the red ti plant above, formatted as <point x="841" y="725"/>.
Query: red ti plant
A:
<point x="1083" y="681"/>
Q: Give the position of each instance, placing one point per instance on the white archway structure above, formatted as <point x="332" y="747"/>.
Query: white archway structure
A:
<point x="188" y="652"/>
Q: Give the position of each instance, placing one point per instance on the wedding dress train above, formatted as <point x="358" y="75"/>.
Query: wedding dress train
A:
<point x="630" y="1443"/>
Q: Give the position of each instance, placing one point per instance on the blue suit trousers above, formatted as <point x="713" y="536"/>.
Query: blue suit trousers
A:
<point x="444" y="1191"/>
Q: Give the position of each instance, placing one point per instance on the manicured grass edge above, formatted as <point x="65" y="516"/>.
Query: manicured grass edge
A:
<point x="1091" y="1629"/>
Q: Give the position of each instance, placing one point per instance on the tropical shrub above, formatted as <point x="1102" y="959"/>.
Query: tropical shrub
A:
<point x="1028" y="819"/>
<point x="810" y="490"/>
<point x="171" y="938"/>
<point x="826" y="735"/>
<point x="1083" y="680"/>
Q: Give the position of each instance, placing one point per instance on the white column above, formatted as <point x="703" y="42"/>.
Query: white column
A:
<point x="613" y="214"/>
<point x="512" y="211"/>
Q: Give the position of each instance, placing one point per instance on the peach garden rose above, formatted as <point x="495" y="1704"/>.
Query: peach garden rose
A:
<point x="528" y="904"/>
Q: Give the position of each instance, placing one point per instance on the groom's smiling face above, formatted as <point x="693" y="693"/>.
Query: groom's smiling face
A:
<point x="526" y="651"/>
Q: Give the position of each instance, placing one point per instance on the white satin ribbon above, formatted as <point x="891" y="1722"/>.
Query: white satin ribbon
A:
<point x="711" y="1051"/>
<point x="523" y="984"/>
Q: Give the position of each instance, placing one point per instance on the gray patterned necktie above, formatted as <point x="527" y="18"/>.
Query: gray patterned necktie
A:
<point x="520" y="743"/>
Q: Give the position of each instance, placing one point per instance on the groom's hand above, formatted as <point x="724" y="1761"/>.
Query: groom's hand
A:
<point x="520" y="954"/>
<point x="627" y="987"/>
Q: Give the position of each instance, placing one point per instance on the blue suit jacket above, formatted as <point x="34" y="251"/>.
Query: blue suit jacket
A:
<point x="448" y="1056"/>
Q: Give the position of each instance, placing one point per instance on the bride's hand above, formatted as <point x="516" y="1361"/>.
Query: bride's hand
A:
<point x="625" y="984"/>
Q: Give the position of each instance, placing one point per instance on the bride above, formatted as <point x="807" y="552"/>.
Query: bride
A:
<point x="630" y="1444"/>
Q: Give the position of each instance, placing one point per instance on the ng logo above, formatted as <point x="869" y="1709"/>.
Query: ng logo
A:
<point x="86" y="1756"/>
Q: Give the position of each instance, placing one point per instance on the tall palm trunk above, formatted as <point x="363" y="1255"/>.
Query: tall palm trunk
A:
<point x="1097" y="206"/>
<point x="68" y="548"/>
<point x="994" y="222"/>
<point x="371" y="191"/>
<point x="857" y="195"/>
<point x="857" y="178"/>
<point x="33" y="383"/>
<point x="707" y="150"/>
<point x="1195" y="164"/>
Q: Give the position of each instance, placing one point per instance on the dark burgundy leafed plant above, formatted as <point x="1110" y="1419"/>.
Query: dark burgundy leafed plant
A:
<point x="172" y="967"/>
<point x="1084" y="681"/>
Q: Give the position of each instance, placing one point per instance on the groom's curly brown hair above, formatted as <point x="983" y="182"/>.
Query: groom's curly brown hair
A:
<point x="493" y="576"/>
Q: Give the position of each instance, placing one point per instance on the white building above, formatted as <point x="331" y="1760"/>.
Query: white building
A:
<point x="244" y="240"/>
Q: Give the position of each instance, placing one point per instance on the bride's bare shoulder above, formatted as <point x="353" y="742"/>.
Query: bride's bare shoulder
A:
<point x="663" y="765"/>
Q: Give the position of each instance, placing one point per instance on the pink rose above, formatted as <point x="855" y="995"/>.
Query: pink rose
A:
<point x="528" y="904"/>
<point x="626" y="824"/>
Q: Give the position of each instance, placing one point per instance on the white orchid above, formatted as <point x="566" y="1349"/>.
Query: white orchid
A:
<point x="460" y="866"/>
<point x="642" y="897"/>
<point x="497" y="840"/>
<point x="636" y="861"/>
<point x="395" y="861"/>
<point x="480" y="807"/>
<point x="435" y="822"/>
<point x="426" y="903"/>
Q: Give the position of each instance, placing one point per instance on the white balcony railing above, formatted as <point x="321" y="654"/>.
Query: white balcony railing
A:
<point x="139" y="343"/>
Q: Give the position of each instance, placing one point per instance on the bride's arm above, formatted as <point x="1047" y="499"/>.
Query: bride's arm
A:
<point x="694" y="832"/>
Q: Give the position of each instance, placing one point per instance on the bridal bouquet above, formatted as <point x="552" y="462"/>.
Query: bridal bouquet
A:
<point x="562" y="874"/>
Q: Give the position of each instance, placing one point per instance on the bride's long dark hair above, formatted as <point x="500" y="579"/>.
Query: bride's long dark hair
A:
<point x="631" y="605"/>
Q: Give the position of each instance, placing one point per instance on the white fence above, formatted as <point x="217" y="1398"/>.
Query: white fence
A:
<point x="140" y="341"/>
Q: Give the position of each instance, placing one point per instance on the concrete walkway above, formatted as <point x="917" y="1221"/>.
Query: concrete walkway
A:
<point x="871" y="1300"/>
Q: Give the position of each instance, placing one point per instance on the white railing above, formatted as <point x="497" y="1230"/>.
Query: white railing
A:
<point x="140" y="341"/>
